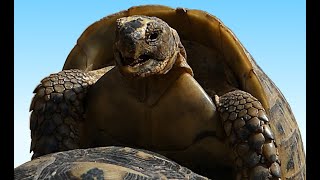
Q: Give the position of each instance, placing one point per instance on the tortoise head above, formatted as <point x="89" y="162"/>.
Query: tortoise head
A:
<point x="146" y="46"/>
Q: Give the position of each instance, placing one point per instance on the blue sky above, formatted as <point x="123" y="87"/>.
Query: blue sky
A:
<point x="274" y="32"/>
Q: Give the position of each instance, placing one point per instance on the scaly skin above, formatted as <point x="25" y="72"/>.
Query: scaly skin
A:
<point x="247" y="127"/>
<point x="58" y="109"/>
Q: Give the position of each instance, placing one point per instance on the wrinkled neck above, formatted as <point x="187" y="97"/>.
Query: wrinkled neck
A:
<point x="148" y="90"/>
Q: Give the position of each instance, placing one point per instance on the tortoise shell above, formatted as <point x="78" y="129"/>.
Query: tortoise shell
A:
<point x="104" y="163"/>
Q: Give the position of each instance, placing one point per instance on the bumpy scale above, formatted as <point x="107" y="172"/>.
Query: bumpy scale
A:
<point x="58" y="110"/>
<point x="247" y="127"/>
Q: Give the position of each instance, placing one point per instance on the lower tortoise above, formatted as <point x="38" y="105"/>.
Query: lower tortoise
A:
<point x="104" y="163"/>
<point x="173" y="81"/>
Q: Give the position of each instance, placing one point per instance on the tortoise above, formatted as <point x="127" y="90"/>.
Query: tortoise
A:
<point x="173" y="81"/>
<point x="104" y="163"/>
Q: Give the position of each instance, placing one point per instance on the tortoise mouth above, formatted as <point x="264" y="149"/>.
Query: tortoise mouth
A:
<point x="141" y="60"/>
<point x="144" y="65"/>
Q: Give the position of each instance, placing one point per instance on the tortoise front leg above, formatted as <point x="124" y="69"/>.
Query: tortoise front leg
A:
<point x="251" y="139"/>
<point x="58" y="110"/>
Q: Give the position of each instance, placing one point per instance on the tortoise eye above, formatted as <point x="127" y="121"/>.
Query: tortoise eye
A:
<point x="154" y="35"/>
